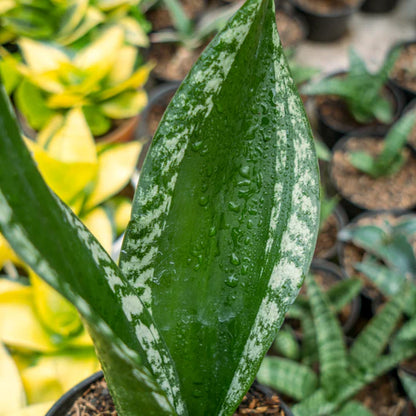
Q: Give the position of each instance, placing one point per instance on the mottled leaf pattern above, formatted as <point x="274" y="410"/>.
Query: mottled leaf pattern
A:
<point x="226" y="212"/>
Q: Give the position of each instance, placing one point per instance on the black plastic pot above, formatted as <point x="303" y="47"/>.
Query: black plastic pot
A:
<point x="408" y="94"/>
<point x="64" y="404"/>
<point x="342" y="220"/>
<point x="325" y="27"/>
<point x="332" y="269"/>
<point x="353" y="208"/>
<point x="379" y="6"/>
<point x="159" y="96"/>
<point x="331" y="133"/>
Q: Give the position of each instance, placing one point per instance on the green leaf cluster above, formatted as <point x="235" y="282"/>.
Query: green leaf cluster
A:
<point x="223" y="228"/>
<point x="68" y="22"/>
<point x="391" y="159"/>
<point x="360" y="89"/>
<point x="343" y="372"/>
<point x="103" y="78"/>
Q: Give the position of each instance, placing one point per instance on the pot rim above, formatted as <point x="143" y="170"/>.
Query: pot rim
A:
<point x="397" y="45"/>
<point x="397" y="95"/>
<point x="71" y="395"/>
<point x="336" y="14"/>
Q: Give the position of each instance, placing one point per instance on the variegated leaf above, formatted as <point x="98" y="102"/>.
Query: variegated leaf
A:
<point x="288" y="377"/>
<point x="56" y="245"/>
<point x="226" y="213"/>
<point x="330" y="342"/>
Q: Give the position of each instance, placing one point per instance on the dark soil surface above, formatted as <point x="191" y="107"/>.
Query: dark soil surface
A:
<point x="96" y="401"/>
<point x="404" y="70"/>
<point x="353" y="254"/>
<point x="412" y="137"/>
<point x="173" y="62"/>
<point x="382" y="397"/>
<point x="327" y="6"/>
<point x="160" y="18"/>
<point x="327" y="237"/>
<point x="410" y="365"/>
<point x="290" y="30"/>
<point x="334" y="111"/>
<point x="397" y="191"/>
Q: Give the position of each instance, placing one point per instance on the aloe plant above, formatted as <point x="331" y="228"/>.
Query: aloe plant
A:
<point x="390" y="259"/>
<point x="103" y="79"/>
<point x="223" y="228"/>
<point x="66" y="22"/>
<point x="360" y="89"/>
<point x="391" y="158"/>
<point x="343" y="372"/>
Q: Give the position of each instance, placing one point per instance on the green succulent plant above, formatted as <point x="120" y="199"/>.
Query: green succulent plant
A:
<point x="343" y="372"/>
<point x="390" y="260"/>
<point x="287" y="343"/>
<point x="66" y="22"/>
<point x="189" y="34"/>
<point x="103" y="79"/>
<point x="391" y="158"/>
<point x="223" y="228"/>
<point x="360" y="89"/>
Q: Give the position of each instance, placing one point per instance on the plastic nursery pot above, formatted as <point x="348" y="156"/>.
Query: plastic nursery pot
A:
<point x="360" y="192"/>
<point x="332" y="270"/>
<point x="292" y="29"/>
<point x="328" y="26"/>
<point x="401" y="76"/>
<point x="65" y="403"/>
<point x="159" y="99"/>
<point x="349" y="254"/>
<point x="326" y="246"/>
<point x="336" y="121"/>
<point x="378" y="6"/>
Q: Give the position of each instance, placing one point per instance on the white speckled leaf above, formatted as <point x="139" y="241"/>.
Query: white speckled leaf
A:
<point x="226" y="213"/>
<point x="49" y="238"/>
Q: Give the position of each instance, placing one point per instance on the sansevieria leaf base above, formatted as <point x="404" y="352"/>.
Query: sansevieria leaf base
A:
<point x="222" y="231"/>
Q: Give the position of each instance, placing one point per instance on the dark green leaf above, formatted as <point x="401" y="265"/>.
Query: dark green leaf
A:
<point x="57" y="246"/>
<point x="226" y="212"/>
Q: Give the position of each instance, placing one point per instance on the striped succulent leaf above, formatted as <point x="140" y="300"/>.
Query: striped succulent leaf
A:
<point x="409" y="384"/>
<point x="330" y="342"/>
<point x="286" y="344"/>
<point x="343" y="293"/>
<point x="408" y="331"/>
<point x="388" y="281"/>
<point x="56" y="245"/>
<point x="372" y="340"/>
<point x="309" y="344"/>
<point x="226" y="212"/>
<point x="295" y="380"/>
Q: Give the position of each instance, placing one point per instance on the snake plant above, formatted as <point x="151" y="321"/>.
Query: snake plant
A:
<point x="223" y="228"/>
<point x="343" y="372"/>
<point x="360" y="89"/>
<point x="391" y="158"/>
<point x="66" y="22"/>
<point x="103" y="79"/>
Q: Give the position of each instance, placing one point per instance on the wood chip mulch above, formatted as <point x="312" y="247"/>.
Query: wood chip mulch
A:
<point x="96" y="401"/>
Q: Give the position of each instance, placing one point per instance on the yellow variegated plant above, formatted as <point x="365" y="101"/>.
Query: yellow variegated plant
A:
<point x="70" y="20"/>
<point x="102" y="79"/>
<point x="35" y="321"/>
